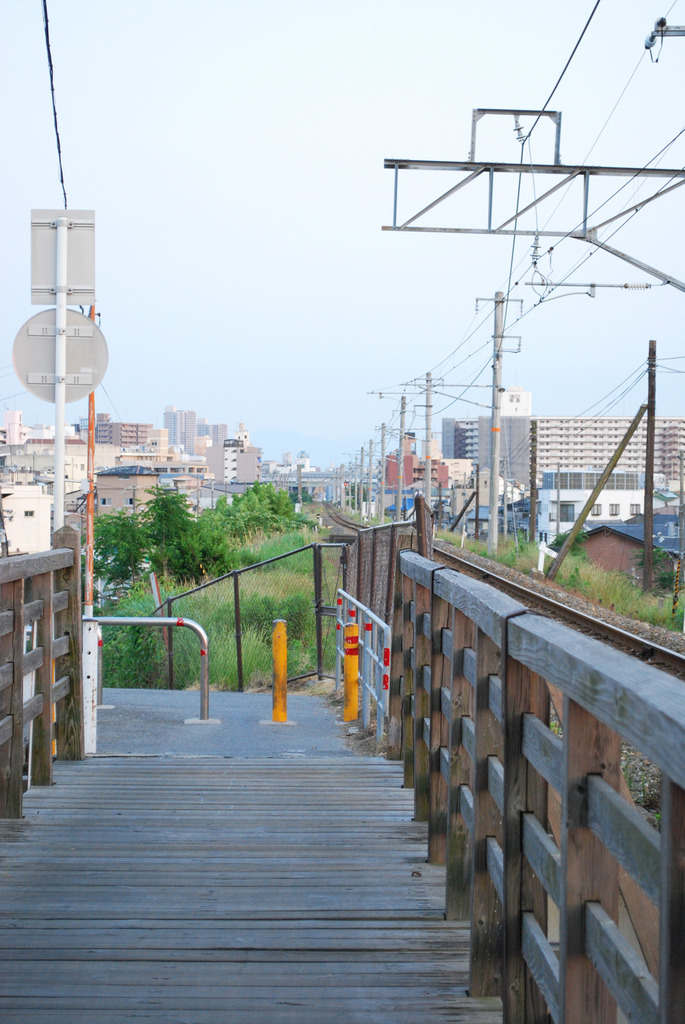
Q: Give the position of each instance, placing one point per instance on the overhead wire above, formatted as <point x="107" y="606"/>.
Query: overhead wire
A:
<point x="46" y="27"/>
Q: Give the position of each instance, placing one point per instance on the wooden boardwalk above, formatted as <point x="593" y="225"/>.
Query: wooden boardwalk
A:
<point x="220" y="891"/>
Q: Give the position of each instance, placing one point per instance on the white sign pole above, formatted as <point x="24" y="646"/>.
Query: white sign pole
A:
<point x="60" y="367"/>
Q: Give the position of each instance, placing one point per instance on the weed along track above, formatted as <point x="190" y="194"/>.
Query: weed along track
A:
<point x="650" y="643"/>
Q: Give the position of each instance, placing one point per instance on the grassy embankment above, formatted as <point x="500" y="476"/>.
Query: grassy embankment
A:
<point x="136" y="657"/>
<point x="613" y="590"/>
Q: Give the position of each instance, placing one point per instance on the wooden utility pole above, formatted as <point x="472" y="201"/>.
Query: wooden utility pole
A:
<point x="599" y="486"/>
<point x="532" y="532"/>
<point x="648" y="560"/>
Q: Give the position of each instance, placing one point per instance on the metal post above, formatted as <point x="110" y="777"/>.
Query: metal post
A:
<point x="279" y="711"/>
<point x="351" y="672"/>
<point x="428" y="483"/>
<point x="495" y="425"/>
<point x="170" y="644"/>
<point x="238" y="629"/>
<point x="318" y="607"/>
<point x="381" y="515"/>
<point x="366" y="674"/>
<point x="60" y="368"/>
<point x="400" y="462"/>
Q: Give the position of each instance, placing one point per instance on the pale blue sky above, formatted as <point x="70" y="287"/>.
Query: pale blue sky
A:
<point x="233" y="154"/>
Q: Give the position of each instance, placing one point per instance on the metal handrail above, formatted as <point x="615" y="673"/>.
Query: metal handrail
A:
<point x="132" y="620"/>
<point x="375" y="637"/>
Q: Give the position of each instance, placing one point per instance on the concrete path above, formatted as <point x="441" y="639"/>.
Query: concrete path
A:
<point x="152" y="722"/>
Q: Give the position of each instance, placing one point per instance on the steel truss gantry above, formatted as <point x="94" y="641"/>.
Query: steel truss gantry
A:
<point x="567" y="173"/>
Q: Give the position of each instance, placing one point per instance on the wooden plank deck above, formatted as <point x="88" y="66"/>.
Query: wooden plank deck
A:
<point x="219" y="891"/>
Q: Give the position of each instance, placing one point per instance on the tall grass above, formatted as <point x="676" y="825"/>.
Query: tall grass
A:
<point x="612" y="589"/>
<point x="285" y="589"/>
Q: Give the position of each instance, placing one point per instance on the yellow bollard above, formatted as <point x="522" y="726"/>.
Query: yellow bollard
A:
<point x="280" y="679"/>
<point x="351" y="649"/>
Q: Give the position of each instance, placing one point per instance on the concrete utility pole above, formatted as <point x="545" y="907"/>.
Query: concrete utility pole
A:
<point x="370" y="497"/>
<point x="382" y="496"/>
<point x="532" y="535"/>
<point x="355" y="500"/>
<point x="361" y="483"/>
<point x="400" y="461"/>
<point x="648" y="560"/>
<point x="495" y="423"/>
<point x="427" y="483"/>
<point x="476" y="533"/>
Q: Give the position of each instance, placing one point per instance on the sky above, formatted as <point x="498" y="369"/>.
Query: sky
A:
<point x="233" y="155"/>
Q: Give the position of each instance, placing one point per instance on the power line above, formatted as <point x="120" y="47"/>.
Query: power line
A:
<point x="566" y="66"/>
<point x="52" y="93"/>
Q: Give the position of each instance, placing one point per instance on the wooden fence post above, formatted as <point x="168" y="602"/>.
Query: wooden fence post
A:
<point x="69" y="730"/>
<point x="459" y="841"/>
<point x="12" y="702"/>
<point x="588" y="870"/>
<point x="394" y="751"/>
<point x="486" y="913"/>
<point x="422" y="686"/>
<point x="523" y="692"/>
<point x="671" y="961"/>
<point x="41" y="752"/>
<point x="408" y="655"/>
<point x="441" y="672"/>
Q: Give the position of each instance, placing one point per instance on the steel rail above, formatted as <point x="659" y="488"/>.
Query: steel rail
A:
<point x="639" y="645"/>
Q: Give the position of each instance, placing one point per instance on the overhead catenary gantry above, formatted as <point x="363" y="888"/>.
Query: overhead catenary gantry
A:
<point x="567" y="174"/>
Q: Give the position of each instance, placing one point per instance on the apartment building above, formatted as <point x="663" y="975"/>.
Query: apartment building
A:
<point x="575" y="442"/>
<point x="585" y="442"/>
<point x="123" y="435"/>
<point x="182" y="427"/>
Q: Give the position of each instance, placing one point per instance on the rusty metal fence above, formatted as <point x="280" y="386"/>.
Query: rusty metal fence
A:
<point x="237" y="610"/>
<point x="373" y="556"/>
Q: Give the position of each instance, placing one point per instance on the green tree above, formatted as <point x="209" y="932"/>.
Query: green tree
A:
<point x="172" y="534"/>
<point x="120" y="548"/>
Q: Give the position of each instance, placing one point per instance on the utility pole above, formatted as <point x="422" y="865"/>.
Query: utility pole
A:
<point x="648" y="560"/>
<point x="361" y="483"/>
<point x="599" y="486"/>
<point x="681" y="530"/>
<point x="400" y="461"/>
<point x="382" y="511"/>
<point x="477" y="530"/>
<point x="355" y="499"/>
<point x="299" y="485"/>
<point x="495" y="423"/>
<point x="370" y="479"/>
<point x="533" y="501"/>
<point x="558" y="499"/>
<point x="427" y="484"/>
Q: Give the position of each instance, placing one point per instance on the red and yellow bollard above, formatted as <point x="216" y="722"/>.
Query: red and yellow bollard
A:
<point x="279" y="711"/>
<point x="351" y="672"/>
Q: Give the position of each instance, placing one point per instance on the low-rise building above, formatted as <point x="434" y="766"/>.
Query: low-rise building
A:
<point x="27" y="513"/>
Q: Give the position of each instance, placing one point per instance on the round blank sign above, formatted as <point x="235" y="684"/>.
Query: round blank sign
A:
<point x="33" y="355"/>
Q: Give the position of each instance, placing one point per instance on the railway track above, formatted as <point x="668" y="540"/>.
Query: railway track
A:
<point x="640" y="646"/>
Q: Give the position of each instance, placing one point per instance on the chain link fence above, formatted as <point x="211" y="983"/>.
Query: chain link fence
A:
<point x="238" y="610"/>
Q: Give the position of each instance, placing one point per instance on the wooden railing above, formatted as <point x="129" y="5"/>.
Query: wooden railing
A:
<point x="525" y="816"/>
<point x="40" y="666"/>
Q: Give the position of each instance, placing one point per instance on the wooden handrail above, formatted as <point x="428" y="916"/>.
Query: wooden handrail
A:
<point x="473" y="673"/>
<point x="40" y="591"/>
